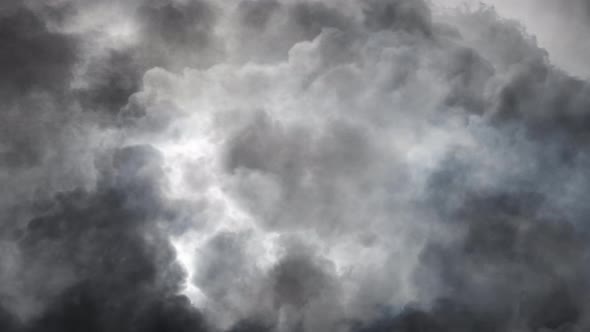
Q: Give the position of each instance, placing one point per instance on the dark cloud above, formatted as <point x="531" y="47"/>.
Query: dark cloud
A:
<point x="178" y="34"/>
<point x="31" y="130"/>
<point x="311" y="17"/>
<point x="560" y="27"/>
<point x="578" y="7"/>
<point x="444" y="316"/>
<point x="291" y="23"/>
<point x="411" y="16"/>
<point x="508" y="266"/>
<point x="250" y="326"/>
<point x="112" y="81"/>
<point x="305" y="165"/>
<point x="119" y="271"/>
<point x="37" y="62"/>
<point x="32" y="56"/>
<point x="256" y="14"/>
<point x="85" y="308"/>
<point x="410" y="170"/>
<point x="176" y="23"/>
<point x="253" y="147"/>
<point x="468" y="73"/>
<point x="298" y="279"/>
<point x="547" y="100"/>
<point x="8" y="322"/>
<point x="225" y="262"/>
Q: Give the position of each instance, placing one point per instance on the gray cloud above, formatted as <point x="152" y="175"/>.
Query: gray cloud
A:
<point x="288" y="165"/>
<point x="33" y="57"/>
<point x="411" y="16"/>
<point x="560" y="27"/>
<point x="98" y="260"/>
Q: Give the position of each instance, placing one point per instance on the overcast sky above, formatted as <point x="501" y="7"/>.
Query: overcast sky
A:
<point x="294" y="166"/>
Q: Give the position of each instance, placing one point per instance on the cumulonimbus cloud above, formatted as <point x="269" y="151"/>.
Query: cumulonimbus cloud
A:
<point x="282" y="165"/>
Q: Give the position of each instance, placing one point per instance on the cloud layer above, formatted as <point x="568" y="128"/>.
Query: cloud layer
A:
<point x="282" y="165"/>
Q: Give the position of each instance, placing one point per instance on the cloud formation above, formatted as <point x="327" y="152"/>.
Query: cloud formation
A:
<point x="282" y="165"/>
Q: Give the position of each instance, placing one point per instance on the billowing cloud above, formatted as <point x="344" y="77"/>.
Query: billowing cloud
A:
<point x="560" y="27"/>
<point x="281" y="165"/>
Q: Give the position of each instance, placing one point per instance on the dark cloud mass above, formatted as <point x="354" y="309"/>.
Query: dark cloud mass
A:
<point x="114" y="80"/>
<point x="32" y="56"/>
<point x="290" y="166"/>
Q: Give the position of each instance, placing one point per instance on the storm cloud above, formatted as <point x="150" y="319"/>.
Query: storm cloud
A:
<point x="286" y="165"/>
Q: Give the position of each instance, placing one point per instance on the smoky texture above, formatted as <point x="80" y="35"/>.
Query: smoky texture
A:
<point x="286" y="165"/>
<point x="118" y="272"/>
<point x="114" y="80"/>
<point x="33" y="57"/>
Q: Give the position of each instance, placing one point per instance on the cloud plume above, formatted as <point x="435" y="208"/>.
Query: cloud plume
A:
<point x="286" y="165"/>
